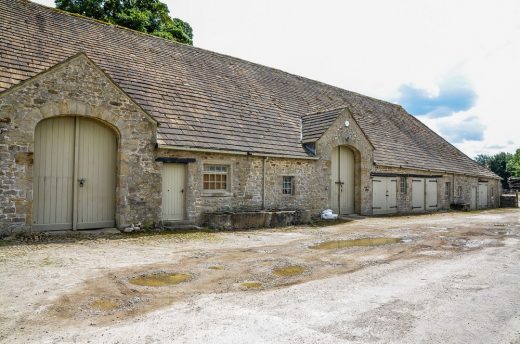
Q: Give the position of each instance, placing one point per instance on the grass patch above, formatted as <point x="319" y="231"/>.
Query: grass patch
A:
<point x="251" y="285"/>
<point x="216" y="267"/>
<point x="288" y="271"/>
<point x="160" y="279"/>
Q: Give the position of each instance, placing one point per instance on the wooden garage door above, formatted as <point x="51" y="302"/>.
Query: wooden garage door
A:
<point x="431" y="194"/>
<point x="342" y="178"/>
<point x="173" y="181"/>
<point x="384" y="195"/>
<point x="473" y="204"/>
<point x="74" y="174"/>
<point x="482" y="195"/>
<point x="418" y="194"/>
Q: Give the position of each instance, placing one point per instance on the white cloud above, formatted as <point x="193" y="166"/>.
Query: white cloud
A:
<point x="375" y="46"/>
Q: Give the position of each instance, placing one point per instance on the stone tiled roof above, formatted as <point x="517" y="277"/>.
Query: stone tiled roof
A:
<point x="314" y="125"/>
<point x="202" y="99"/>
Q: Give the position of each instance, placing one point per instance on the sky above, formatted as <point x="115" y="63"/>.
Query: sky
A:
<point x="455" y="64"/>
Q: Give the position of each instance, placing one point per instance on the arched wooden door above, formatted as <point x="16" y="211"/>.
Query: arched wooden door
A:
<point x="74" y="174"/>
<point x="342" y="180"/>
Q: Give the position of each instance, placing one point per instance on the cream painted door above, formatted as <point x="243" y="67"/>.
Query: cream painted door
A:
<point x="342" y="178"/>
<point x="173" y="184"/>
<point x="53" y="174"/>
<point x="384" y="195"/>
<point x="431" y="194"/>
<point x="67" y="150"/>
<point x="96" y="175"/>
<point x="418" y="194"/>
<point x="482" y="195"/>
<point x="473" y="204"/>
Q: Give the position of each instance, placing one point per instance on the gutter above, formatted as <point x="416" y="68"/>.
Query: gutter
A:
<point x="437" y="171"/>
<point x="218" y="151"/>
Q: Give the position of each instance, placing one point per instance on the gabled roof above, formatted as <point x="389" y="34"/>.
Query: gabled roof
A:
<point x="316" y="124"/>
<point x="206" y="100"/>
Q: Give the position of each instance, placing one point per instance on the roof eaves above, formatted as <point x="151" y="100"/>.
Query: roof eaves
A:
<point x="221" y="151"/>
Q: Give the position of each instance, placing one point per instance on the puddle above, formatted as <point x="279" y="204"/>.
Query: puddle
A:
<point x="160" y="279"/>
<point x="216" y="267"/>
<point x="251" y="285"/>
<point x="288" y="271"/>
<point x="104" y="305"/>
<point x="337" y="244"/>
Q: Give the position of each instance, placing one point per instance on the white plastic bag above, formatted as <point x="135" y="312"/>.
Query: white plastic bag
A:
<point x="328" y="215"/>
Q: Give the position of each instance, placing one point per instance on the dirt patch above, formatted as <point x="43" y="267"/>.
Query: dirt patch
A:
<point x="76" y="288"/>
<point x="364" y="242"/>
<point x="160" y="279"/>
<point x="104" y="305"/>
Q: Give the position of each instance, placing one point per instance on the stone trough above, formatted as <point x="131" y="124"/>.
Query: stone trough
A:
<point x="255" y="219"/>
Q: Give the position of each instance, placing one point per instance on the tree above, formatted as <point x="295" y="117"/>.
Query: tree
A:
<point x="151" y="16"/>
<point x="498" y="164"/>
<point x="513" y="165"/>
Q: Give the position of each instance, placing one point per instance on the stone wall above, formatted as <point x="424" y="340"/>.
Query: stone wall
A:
<point x="76" y="88"/>
<point x="467" y="184"/>
<point x="247" y="179"/>
<point x="352" y="137"/>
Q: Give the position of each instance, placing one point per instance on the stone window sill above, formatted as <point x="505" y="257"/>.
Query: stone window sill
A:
<point x="207" y="193"/>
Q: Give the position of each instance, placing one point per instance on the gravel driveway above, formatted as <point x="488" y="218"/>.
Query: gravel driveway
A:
<point x="441" y="278"/>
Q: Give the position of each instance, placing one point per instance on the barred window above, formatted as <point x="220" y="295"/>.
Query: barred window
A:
<point x="459" y="191"/>
<point x="215" y="177"/>
<point x="403" y="185"/>
<point x="288" y="185"/>
<point x="447" y="191"/>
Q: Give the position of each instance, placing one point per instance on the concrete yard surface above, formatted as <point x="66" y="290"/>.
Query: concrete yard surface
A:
<point x="439" y="278"/>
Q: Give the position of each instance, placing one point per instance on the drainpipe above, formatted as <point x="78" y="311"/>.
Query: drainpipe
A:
<point x="263" y="182"/>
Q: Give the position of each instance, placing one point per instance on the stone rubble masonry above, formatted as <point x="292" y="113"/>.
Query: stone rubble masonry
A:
<point x="76" y="87"/>
<point x="312" y="178"/>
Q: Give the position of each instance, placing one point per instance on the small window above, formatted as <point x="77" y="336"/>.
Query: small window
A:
<point x="288" y="185"/>
<point x="403" y="185"/>
<point x="215" y="177"/>
<point x="447" y="191"/>
<point x="459" y="191"/>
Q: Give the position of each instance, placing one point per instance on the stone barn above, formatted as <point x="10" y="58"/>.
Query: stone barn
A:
<point x="101" y="126"/>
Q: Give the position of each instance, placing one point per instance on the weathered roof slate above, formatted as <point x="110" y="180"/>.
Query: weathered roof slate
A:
<point x="314" y="125"/>
<point x="207" y="100"/>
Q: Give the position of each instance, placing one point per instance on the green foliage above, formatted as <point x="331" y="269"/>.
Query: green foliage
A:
<point x="151" y="16"/>
<point x="498" y="164"/>
<point x="513" y="165"/>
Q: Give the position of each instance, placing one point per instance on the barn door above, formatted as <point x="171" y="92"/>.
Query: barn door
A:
<point x="173" y="183"/>
<point x="482" y="195"/>
<point x="384" y="195"/>
<point x="96" y="175"/>
<point x="418" y="194"/>
<point x="431" y="194"/>
<point x="74" y="174"/>
<point x="342" y="177"/>
<point x="53" y="174"/>
<point x="473" y="204"/>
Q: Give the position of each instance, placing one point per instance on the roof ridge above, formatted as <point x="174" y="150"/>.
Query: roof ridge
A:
<point x="344" y="107"/>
